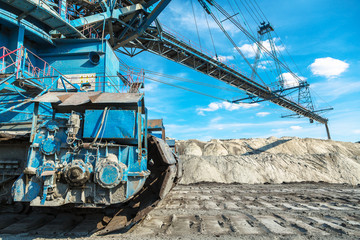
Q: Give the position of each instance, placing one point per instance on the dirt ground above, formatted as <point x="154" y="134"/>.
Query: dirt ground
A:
<point x="238" y="211"/>
<point x="287" y="211"/>
<point x="236" y="189"/>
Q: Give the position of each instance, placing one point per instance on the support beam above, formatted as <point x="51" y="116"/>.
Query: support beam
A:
<point x="327" y="131"/>
<point x="63" y="9"/>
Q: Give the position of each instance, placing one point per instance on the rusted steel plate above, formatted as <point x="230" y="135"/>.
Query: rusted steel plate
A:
<point x="76" y="98"/>
<point x="116" y="98"/>
<point x="166" y="153"/>
<point x="168" y="182"/>
<point x="51" y="97"/>
<point x="155" y="124"/>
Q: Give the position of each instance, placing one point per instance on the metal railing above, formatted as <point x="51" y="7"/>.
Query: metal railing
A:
<point x="21" y="62"/>
<point x="33" y="70"/>
<point x="18" y="65"/>
<point x="87" y="30"/>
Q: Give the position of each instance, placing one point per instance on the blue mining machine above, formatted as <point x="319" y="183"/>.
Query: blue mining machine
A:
<point x="73" y="128"/>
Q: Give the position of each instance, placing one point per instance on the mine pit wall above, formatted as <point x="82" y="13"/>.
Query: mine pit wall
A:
<point x="271" y="160"/>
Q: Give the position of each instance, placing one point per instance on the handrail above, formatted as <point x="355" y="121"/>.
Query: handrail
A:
<point x="22" y="58"/>
<point x="8" y="53"/>
<point x="87" y="26"/>
<point x="25" y="67"/>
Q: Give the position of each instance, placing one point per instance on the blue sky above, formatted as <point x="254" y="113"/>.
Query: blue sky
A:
<point x="322" y="38"/>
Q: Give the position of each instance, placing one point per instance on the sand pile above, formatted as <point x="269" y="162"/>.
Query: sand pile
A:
<point x="271" y="160"/>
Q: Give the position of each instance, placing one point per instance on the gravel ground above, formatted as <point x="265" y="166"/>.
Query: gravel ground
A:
<point x="236" y="211"/>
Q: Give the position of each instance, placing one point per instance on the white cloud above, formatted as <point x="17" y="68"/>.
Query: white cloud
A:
<point x="151" y="87"/>
<point x="262" y="114"/>
<point x="262" y="67"/>
<point x="264" y="64"/>
<point x="249" y="50"/>
<point x="328" y="67"/>
<point x="357" y="131"/>
<point x="290" y="80"/>
<point x="215" y="120"/>
<point x="296" y="127"/>
<point x="224" y="58"/>
<point x="214" y="106"/>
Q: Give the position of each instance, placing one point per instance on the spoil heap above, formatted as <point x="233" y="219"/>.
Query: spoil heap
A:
<point x="271" y="160"/>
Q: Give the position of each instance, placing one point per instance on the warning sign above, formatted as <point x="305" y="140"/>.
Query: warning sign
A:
<point x="85" y="81"/>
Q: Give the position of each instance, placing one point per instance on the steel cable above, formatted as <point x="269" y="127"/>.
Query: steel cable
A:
<point x="197" y="29"/>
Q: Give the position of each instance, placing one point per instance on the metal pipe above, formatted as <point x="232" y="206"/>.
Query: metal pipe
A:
<point x="139" y="131"/>
<point x="102" y="35"/>
<point x="101" y="125"/>
<point x="34" y="121"/>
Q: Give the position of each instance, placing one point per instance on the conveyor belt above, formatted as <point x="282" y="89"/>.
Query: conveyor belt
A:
<point x="170" y="47"/>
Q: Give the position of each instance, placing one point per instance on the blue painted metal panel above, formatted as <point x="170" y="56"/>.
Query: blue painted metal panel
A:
<point x="10" y="21"/>
<point x="111" y="69"/>
<point x="72" y="57"/>
<point x="97" y="18"/>
<point x="22" y="193"/>
<point x="158" y="135"/>
<point x="26" y="115"/>
<point x="118" y="124"/>
<point x="20" y="38"/>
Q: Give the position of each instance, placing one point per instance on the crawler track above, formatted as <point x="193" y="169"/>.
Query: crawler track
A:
<point x="216" y="210"/>
<point x="213" y="210"/>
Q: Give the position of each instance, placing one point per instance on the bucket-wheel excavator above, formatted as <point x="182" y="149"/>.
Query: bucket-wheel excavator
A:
<point x="74" y="128"/>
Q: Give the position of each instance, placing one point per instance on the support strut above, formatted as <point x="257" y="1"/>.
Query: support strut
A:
<point x="327" y="131"/>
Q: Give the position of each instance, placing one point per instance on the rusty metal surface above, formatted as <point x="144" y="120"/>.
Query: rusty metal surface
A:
<point x="166" y="154"/>
<point x="155" y="124"/>
<point x="169" y="181"/>
<point x="67" y="102"/>
<point x="50" y="97"/>
<point x="161" y="181"/>
<point x="117" y="98"/>
<point x="73" y="99"/>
